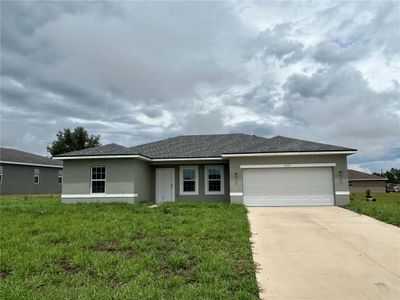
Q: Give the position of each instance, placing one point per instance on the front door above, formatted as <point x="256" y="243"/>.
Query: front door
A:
<point x="165" y="185"/>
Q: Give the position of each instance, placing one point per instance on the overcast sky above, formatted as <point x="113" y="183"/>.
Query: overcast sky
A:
<point x="137" y="72"/>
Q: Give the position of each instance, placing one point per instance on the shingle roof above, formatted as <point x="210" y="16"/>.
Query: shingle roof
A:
<point x="208" y="146"/>
<point x="357" y="175"/>
<point x="21" y="157"/>
<point x="110" y="149"/>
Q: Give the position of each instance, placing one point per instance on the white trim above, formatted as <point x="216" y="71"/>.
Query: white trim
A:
<point x="103" y="156"/>
<point x="139" y="157"/>
<point x="342" y="193"/>
<point x="287" y="153"/>
<point x="223" y="156"/>
<point x="158" y="181"/>
<point x="29" y="164"/>
<point x="371" y="179"/>
<point x="91" y="179"/>
<point x="236" y="194"/>
<point x="222" y="180"/>
<point x="186" y="159"/>
<point x="66" y="196"/>
<point x="196" y="191"/>
<point x="312" y="165"/>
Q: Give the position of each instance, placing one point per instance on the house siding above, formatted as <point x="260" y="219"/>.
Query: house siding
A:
<point x="202" y="196"/>
<point x="360" y="186"/>
<point x="18" y="180"/>
<point x="123" y="176"/>
<point x="340" y="183"/>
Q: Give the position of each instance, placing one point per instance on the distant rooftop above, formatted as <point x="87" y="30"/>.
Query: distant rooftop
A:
<point x="357" y="175"/>
<point x="8" y="155"/>
<point x="209" y="146"/>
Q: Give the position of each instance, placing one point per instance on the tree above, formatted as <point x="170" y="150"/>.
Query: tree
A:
<point x="68" y="140"/>
<point x="393" y="175"/>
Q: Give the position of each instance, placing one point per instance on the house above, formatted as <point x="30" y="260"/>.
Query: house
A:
<point x="23" y="173"/>
<point x="235" y="168"/>
<point x="360" y="182"/>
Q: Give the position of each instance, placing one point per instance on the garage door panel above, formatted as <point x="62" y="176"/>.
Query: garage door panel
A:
<point x="288" y="187"/>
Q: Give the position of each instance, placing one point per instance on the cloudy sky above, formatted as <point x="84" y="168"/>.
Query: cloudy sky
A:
<point x="135" y="72"/>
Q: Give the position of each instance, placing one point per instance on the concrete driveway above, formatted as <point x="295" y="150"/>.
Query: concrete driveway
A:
<point x="324" y="253"/>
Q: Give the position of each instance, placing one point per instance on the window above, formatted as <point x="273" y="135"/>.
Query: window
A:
<point x="36" y="173"/>
<point x="98" y="185"/>
<point x="60" y="176"/>
<point x="1" y="174"/>
<point x="189" y="180"/>
<point x="214" y="180"/>
<point x="350" y="183"/>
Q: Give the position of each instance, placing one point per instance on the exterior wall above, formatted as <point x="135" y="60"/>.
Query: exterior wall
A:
<point x="360" y="186"/>
<point x="18" y="180"/>
<point x="201" y="196"/>
<point x="340" y="182"/>
<point x="124" y="177"/>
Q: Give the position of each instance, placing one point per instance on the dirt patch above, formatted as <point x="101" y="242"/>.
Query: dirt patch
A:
<point x="112" y="248"/>
<point x="130" y="253"/>
<point x="67" y="267"/>
<point x="57" y="241"/>
<point x="137" y="236"/>
<point x="241" y="269"/>
<point x="184" y="271"/>
<point x="112" y="281"/>
<point x="4" y="273"/>
<point x="168" y="243"/>
<point x="104" y="246"/>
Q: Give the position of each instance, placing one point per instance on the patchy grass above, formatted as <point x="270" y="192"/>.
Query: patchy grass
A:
<point x="121" y="251"/>
<point x="386" y="208"/>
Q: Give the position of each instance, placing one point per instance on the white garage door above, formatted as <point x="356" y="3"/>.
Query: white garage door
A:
<point x="288" y="187"/>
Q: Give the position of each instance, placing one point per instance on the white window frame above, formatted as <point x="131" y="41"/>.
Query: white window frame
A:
<point x="60" y="176"/>
<point x="1" y="173"/>
<point x="91" y="179"/>
<point x="38" y="176"/>
<point x="196" y="180"/>
<point x="207" y="192"/>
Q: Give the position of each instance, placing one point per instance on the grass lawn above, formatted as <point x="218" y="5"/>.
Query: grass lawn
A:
<point x="386" y="207"/>
<point x="119" y="251"/>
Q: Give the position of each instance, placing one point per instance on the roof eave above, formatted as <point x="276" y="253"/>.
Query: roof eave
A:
<point x="345" y="152"/>
<point x="138" y="156"/>
<point x="29" y="164"/>
<point x="369" y="179"/>
<point x="186" y="159"/>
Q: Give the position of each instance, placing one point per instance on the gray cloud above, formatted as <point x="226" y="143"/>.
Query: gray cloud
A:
<point x="135" y="72"/>
<point x="278" y="43"/>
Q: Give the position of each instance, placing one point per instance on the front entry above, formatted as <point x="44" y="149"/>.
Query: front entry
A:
<point x="165" y="185"/>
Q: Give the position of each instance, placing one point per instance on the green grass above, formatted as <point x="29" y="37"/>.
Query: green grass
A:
<point x="386" y="208"/>
<point x="120" y="251"/>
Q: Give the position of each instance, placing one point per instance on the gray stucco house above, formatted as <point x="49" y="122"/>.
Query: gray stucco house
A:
<point x="359" y="182"/>
<point x="23" y="173"/>
<point x="236" y="168"/>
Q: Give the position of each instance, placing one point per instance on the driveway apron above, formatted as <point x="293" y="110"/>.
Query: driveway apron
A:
<point x="324" y="253"/>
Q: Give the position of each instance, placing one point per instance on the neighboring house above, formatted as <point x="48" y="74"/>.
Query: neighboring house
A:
<point x="23" y="173"/>
<point x="236" y="168"/>
<point x="360" y="182"/>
